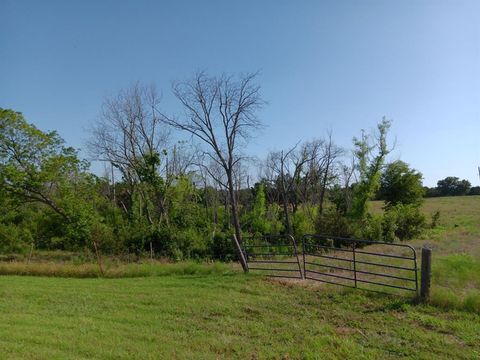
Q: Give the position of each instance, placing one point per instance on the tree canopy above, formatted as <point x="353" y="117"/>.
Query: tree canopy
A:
<point x="401" y="184"/>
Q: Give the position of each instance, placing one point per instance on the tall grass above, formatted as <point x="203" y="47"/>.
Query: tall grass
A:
<point x="114" y="270"/>
<point x="456" y="283"/>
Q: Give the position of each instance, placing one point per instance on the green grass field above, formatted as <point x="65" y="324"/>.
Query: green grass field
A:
<point x="229" y="316"/>
<point x="456" y="251"/>
<point x="191" y="311"/>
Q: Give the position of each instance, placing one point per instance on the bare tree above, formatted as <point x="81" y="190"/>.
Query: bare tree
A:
<point x="179" y="160"/>
<point x="347" y="172"/>
<point x="286" y="167"/>
<point x="310" y="177"/>
<point x="129" y="134"/>
<point x="221" y="112"/>
<point x="331" y="153"/>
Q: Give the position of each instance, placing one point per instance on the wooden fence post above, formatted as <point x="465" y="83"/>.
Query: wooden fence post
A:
<point x="426" y="273"/>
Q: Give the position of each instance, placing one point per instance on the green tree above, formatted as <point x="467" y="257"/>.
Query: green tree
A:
<point x="36" y="167"/>
<point x="453" y="186"/>
<point x="369" y="168"/>
<point x="401" y="185"/>
<point x="34" y="164"/>
<point x="255" y="220"/>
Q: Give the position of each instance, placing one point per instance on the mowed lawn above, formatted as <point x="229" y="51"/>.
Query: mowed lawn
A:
<point x="221" y="316"/>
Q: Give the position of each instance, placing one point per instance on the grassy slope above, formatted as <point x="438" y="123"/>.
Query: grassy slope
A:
<point x="229" y="316"/>
<point x="237" y="316"/>
<point x="456" y="250"/>
<point x="458" y="229"/>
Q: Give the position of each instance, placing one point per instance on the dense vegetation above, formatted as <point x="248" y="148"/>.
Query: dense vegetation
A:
<point x="182" y="199"/>
<point x="224" y="314"/>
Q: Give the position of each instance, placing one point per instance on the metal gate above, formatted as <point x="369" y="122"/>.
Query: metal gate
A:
<point x="273" y="255"/>
<point x="345" y="262"/>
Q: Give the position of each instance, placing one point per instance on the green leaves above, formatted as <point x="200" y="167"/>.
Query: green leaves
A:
<point x="400" y="184"/>
<point x="369" y="167"/>
<point x="36" y="167"/>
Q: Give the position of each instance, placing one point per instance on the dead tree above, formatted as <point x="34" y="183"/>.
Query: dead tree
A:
<point x="127" y="133"/>
<point x="331" y="153"/>
<point x="221" y="113"/>
<point x="286" y="167"/>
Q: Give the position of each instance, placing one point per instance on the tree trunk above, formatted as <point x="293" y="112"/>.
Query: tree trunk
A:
<point x="236" y="221"/>
<point x="322" y="191"/>
<point x="285" y="203"/>
<point x="287" y="216"/>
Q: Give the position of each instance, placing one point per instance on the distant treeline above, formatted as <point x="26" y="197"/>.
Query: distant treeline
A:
<point x="452" y="186"/>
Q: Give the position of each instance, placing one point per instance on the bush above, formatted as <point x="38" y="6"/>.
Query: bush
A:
<point x="189" y="243"/>
<point x="371" y="228"/>
<point x="400" y="222"/>
<point x="390" y="226"/>
<point x="14" y="239"/>
<point x="410" y="221"/>
<point x="104" y="237"/>
<point x="222" y="247"/>
<point x="164" y="243"/>
<point x="301" y="224"/>
<point x="333" y="223"/>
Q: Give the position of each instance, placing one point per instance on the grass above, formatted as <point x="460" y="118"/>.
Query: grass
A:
<point x="113" y="269"/>
<point x="458" y="229"/>
<point x="456" y="251"/>
<point x="220" y="316"/>
<point x="210" y="311"/>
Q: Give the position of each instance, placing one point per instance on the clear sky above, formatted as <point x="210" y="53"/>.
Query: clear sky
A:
<point x="325" y="65"/>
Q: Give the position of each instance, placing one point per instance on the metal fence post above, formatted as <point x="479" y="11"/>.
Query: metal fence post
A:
<point x="354" y="264"/>
<point x="303" y="255"/>
<point x="296" y="255"/>
<point x="426" y="273"/>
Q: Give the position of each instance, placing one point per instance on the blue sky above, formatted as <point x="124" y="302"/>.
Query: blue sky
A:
<point x="325" y="65"/>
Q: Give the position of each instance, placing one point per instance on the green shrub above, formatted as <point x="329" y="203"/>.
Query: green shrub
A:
<point x="410" y="222"/>
<point x="390" y="226"/>
<point x="14" y="239"/>
<point x="403" y="222"/>
<point x="370" y="228"/>
<point x="189" y="244"/>
<point x="333" y="223"/>
<point x="104" y="236"/>
<point x="273" y="215"/>
<point x="222" y="247"/>
<point x="302" y="224"/>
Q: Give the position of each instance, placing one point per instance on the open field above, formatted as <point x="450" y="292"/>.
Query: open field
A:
<point x="190" y="310"/>
<point x="456" y="250"/>
<point x="458" y="229"/>
<point x="229" y="316"/>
